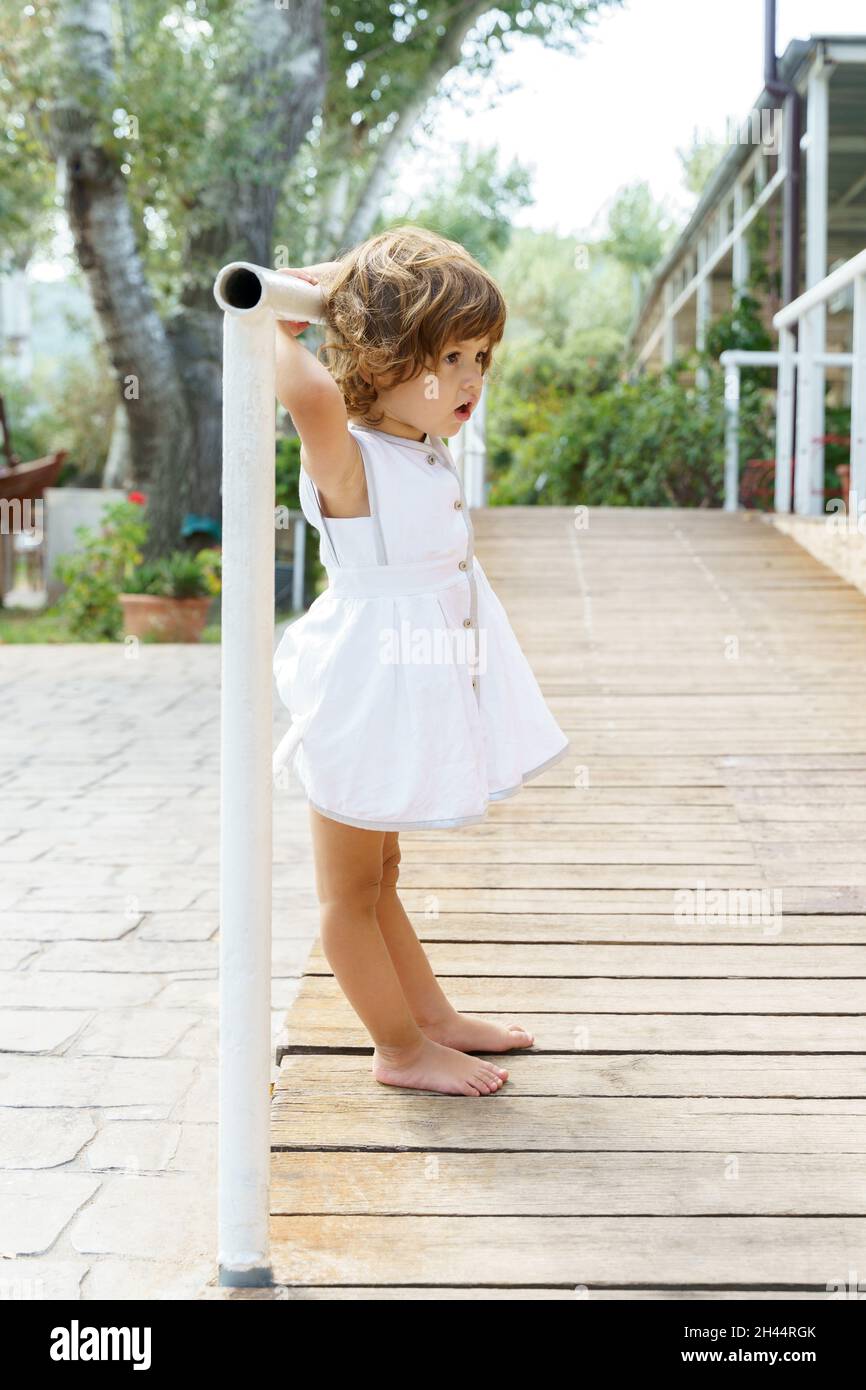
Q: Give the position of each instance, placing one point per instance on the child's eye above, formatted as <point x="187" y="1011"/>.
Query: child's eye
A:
<point x="481" y="354"/>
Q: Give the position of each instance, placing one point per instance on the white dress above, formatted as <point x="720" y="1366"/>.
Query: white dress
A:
<point x="413" y="705"/>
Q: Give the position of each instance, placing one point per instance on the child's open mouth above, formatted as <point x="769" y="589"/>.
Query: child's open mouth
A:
<point x="463" y="411"/>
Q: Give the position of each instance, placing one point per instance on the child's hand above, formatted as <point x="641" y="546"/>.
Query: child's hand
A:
<point x="295" y="326"/>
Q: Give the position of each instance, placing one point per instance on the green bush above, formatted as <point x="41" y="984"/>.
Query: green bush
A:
<point x="179" y="575"/>
<point x="96" y="574"/>
<point x="596" y="439"/>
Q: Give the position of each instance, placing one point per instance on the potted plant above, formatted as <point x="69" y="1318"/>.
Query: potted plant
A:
<point x="167" y="600"/>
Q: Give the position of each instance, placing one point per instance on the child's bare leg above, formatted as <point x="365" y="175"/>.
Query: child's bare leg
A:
<point x="430" y="1007"/>
<point x="348" y="878"/>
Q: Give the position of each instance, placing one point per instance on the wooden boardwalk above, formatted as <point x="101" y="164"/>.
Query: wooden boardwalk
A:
<point x="677" y="911"/>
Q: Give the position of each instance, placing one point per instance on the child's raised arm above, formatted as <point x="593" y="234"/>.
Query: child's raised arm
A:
<point x="309" y="393"/>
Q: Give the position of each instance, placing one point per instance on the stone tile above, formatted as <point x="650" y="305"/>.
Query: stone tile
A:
<point x="94" y="1081"/>
<point x="42" y="1138"/>
<point x="59" y="872"/>
<point x="178" y="926"/>
<point x="201" y="1042"/>
<point x="133" y="1146"/>
<point x="133" y="848"/>
<point x="39" y="1030"/>
<point x="142" y="899"/>
<point x="50" y="989"/>
<point x="34" y="1279"/>
<point x="126" y="957"/>
<point x="36" y="1207"/>
<point x="201" y="1102"/>
<point x="113" y="1278"/>
<point x="139" y="876"/>
<point x="150" y="1032"/>
<point x="15" y="953"/>
<point x="171" y="1218"/>
<point x="66" y="926"/>
<point x="197" y="1151"/>
<point x="181" y="994"/>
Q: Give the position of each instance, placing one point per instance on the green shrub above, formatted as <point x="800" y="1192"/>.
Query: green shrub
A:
<point x="96" y="574"/>
<point x="601" y="440"/>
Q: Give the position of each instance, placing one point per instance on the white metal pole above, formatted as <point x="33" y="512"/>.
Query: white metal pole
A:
<point x="817" y="160"/>
<point x="740" y="251"/>
<point x="784" y="421"/>
<point x="249" y="296"/>
<point x="803" y="470"/>
<point x="669" y="332"/>
<point x="703" y="310"/>
<point x="732" y="436"/>
<point x="857" y="484"/>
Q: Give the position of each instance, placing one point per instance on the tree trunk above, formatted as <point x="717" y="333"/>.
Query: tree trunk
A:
<point x="170" y="374"/>
<point x="105" y="243"/>
<point x="118" y="466"/>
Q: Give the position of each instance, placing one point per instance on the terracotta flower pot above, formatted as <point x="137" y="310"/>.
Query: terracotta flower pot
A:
<point x="165" y="619"/>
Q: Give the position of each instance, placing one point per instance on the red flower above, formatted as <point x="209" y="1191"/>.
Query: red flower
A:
<point x="136" y="497"/>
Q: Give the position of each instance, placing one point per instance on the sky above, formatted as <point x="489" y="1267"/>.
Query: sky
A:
<point x="651" y="75"/>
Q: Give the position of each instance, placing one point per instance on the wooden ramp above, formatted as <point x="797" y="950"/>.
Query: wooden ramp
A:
<point x="677" y="911"/>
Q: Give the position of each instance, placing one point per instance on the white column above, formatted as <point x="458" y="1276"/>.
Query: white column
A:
<point x="740" y="252"/>
<point x="784" y="421"/>
<point x="732" y="437"/>
<point x="857" y="494"/>
<point x="669" y="334"/>
<point x="817" y="154"/>
<point x="702" y="312"/>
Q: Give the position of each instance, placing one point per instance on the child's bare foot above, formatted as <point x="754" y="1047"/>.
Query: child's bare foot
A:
<point x="477" y="1034"/>
<point x="433" y="1067"/>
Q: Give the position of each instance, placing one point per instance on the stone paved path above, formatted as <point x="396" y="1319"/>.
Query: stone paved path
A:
<point x="109" y="819"/>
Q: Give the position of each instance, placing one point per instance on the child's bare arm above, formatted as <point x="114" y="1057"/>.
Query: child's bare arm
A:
<point x="307" y="390"/>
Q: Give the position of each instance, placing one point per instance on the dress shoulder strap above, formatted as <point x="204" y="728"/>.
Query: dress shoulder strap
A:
<point x="367" y="457"/>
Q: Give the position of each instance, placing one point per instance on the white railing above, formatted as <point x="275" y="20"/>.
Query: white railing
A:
<point x="252" y="297"/>
<point x="807" y="313"/>
<point x="732" y="359"/>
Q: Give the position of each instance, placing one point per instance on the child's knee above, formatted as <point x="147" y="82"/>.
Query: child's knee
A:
<point x="348" y="888"/>
<point x="391" y="866"/>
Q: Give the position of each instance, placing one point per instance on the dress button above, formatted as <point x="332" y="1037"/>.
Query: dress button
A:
<point x="458" y="503"/>
<point x="431" y="458"/>
<point x="462" y="565"/>
<point x="474" y="683"/>
<point x="467" y="622"/>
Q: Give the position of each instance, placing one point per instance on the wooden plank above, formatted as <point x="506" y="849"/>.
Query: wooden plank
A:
<point x="311" y="1027"/>
<point x="480" y="993"/>
<point x="345" y="1182"/>
<point x="645" y="927"/>
<point x="774" y="962"/>
<point x="629" y="1074"/>
<point x="784" y="1252"/>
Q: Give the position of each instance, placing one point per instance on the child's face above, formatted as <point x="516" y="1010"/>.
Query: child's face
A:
<point x="434" y="402"/>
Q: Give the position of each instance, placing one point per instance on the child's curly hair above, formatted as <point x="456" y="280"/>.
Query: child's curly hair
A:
<point x="394" y="303"/>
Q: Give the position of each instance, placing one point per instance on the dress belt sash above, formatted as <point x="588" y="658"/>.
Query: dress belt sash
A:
<point x="394" y="581"/>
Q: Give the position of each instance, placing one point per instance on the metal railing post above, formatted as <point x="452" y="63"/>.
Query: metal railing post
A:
<point x="784" y="422"/>
<point x="732" y="436"/>
<point x="250" y="296"/>
<point x="857" y="482"/>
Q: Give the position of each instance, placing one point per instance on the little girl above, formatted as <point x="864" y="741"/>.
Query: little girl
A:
<point x="413" y="705"/>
